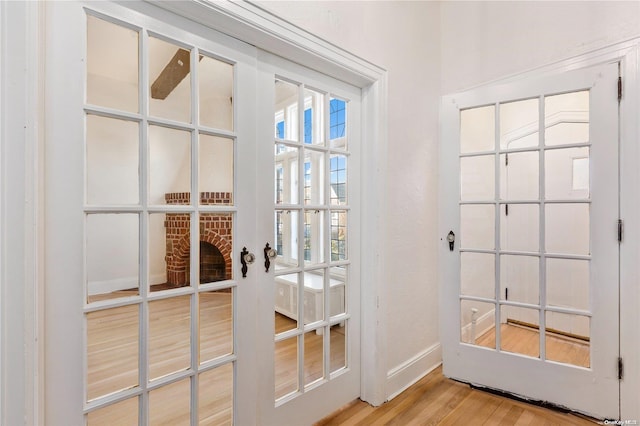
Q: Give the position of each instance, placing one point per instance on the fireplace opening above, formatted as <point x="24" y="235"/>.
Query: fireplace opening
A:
<point x="212" y="263"/>
<point x="216" y="240"/>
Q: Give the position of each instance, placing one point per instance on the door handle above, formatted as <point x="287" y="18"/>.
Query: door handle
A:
<point x="246" y="258"/>
<point x="451" y="238"/>
<point x="269" y="254"/>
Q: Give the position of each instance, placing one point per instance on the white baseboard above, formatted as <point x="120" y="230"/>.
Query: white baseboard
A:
<point x="109" y="286"/>
<point x="406" y="374"/>
<point x="484" y="323"/>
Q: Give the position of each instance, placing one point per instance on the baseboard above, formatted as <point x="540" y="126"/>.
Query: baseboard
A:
<point x="484" y="323"/>
<point x="109" y="286"/>
<point x="406" y="374"/>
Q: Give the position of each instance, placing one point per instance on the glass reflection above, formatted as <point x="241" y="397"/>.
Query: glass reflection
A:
<point x="169" y="166"/>
<point x="112" y="65"/>
<point x="477" y="274"/>
<point x="519" y="176"/>
<point x="170" y="84"/>
<point x="519" y="330"/>
<point x="215" y="171"/>
<point x="477" y="323"/>
<point x="314" y="177"/>
<point x="477" y="178"/>
<point x="112" y="161"/>
<point x="568" y="338"/>
<point x="519" y="227"/>
<point x="338" y="346"/>
<point x="519" y="279"/>
<point x="286" y="367"/>
<point x="567" y="118"/>
<point x="567" y="228"/>
<point x="568" y="283"/>
<point x="338" y="123"/>
<point x="169" y="336"/>
<point x="313" y="356"/>
<point x="215" y="396"/>
<point x="519" y="124"/>
<point x="477" y="226"/>
<point x="112" y="256"/>
<point x="313" y="117"/>
<point x="215" y="324"/>
<point x="215" y="90"/>
<point x="112" y="345"/>
<point x="177" y="411"/>
<point x="567" y="174"/>
<point x="286" y="111"/>
<point x="120" y="413"/>
<point x="286" y="302"/>
<point x="477" y="129"/>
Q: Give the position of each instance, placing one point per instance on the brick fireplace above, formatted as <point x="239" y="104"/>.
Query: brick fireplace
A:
<point x="216" y="240"/>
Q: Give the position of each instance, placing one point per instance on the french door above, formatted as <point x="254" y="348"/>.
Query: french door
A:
<point x="164" y="187"/>
<point x="530" y="245"/>
<point x="310" y="294"/>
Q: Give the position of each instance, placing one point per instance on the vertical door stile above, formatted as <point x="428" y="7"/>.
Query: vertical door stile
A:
<point x="497" y="248"/>
<point x="143" y="96"/>
<point x="542" y="283"/>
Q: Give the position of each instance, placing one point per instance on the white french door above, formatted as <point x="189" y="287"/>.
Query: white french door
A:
<point x="162" y="159"/>
<point x="529" y="232"/>
<point x="310" y="294"/>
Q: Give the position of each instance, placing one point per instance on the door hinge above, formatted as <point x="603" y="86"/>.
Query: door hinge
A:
<point x="506" y="159"/>
<point x="506" y="209"/>
<point x="620" y="368"/>
<point x="620" y="230"/>
<point x="619" y="88"/>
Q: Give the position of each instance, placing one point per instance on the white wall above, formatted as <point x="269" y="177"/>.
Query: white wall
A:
<point x="402" y="37"/>
<point x="484" y="41"/>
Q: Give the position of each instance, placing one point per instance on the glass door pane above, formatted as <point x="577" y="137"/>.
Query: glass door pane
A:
<point x="311" y="234"/>
<point x="160" y="221"/>
<point x="543" y="195"/>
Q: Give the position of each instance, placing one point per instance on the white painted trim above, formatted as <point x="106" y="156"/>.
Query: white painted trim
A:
<point x="373" y="231"/>
<point x="3" y="62"/>
<point x="630" y="248"/>
<point x="259" y="27"/>
<point x="22" y="342"/>
<point x="409" y="372"/>
<point x="108" y="286"/>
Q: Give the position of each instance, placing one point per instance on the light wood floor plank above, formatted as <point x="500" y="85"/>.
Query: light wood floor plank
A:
<point x="436" y="400"/>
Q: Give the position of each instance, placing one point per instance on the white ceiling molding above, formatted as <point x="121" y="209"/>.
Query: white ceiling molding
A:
<point x="255" y="25"/>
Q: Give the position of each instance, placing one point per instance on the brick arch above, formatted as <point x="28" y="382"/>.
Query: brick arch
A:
<point x="178" y="260"/>
<point x="214" y="228"/>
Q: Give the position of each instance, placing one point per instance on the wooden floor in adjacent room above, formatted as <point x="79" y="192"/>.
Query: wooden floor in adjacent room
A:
<point x="436" y="400"/>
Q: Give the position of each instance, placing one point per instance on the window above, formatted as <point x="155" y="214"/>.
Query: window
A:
<point x="337" y="118"/>
<point x="313" y="153"/>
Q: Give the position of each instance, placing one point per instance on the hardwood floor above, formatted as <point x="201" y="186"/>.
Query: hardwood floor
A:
<point x="113" y="351"/>
<point x="436" y="400"/>
<point x="113" y="364"/>
<point x="526" y="341"/>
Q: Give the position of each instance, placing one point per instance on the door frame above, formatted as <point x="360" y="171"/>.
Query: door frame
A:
<point x="22" y="148"/>
<point x="628" y="54"/>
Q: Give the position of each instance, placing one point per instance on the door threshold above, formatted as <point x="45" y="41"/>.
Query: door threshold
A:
<point x="536" y="402"/>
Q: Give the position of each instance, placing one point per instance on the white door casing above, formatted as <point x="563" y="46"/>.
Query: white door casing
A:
<point x="593" y="390"/>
